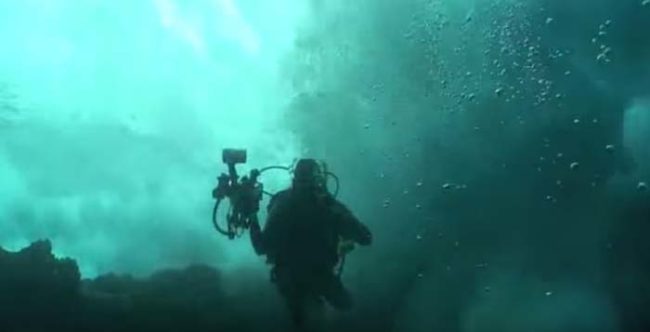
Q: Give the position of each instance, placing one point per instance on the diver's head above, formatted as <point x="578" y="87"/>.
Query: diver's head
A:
<point x="309" y="175"/>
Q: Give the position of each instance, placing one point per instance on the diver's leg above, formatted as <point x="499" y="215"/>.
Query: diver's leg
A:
<point x="297" y="310"/>
<point x="290" y="290"/>
<point x="336" y="294"/>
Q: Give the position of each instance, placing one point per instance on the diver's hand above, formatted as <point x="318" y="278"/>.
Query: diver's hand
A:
<point x="257" y="239"/>
<point x="365" y="238"/>
<point x="255" y="225"/>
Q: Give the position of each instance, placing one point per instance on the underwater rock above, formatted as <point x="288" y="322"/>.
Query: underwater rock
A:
<point x="33" y="281"/>
<point x="36" y="269"/>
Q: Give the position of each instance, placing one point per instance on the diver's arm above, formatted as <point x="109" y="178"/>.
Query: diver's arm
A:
<point x="257" y="238"/>
<point x="350" y="228"/>
<point x="265" y="241"/>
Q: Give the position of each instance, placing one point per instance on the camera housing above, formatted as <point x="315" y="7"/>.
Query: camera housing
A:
<point x="234" y="156"/>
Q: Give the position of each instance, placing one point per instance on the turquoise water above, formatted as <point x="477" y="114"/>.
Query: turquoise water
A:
<point x="498" y="150"/>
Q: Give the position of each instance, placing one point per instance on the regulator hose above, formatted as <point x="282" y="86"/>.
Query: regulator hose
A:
<point x="336" y="180"/>
<point x="216" y="224"/>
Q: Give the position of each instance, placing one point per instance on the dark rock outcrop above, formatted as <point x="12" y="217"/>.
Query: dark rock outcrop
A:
<point x="37" y="290"/>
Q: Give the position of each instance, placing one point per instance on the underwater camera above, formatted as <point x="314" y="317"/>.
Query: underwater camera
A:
<point x="233" y="156"/>
<point x="244" y="195"/>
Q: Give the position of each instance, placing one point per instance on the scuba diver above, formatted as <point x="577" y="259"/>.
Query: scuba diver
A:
<point x="306" y="235"/>
<point x="301" y="240"/>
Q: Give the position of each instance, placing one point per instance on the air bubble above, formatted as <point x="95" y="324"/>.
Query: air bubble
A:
<point x="386" y="203"/>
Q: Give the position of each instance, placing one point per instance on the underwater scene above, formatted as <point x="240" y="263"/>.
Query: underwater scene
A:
<point x="325" y="165"/>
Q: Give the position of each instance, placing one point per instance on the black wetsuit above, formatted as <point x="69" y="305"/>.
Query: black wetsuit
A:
<point x="300" y="239"/>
